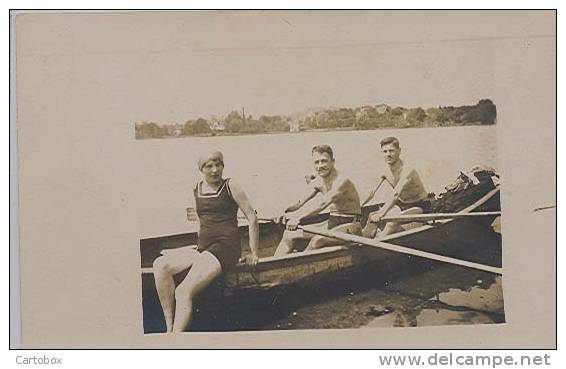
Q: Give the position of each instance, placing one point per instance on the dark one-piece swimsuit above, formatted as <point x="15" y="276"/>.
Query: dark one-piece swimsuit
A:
<point x="218" y="233"/>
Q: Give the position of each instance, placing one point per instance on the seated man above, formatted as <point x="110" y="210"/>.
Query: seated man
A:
<point x="409" y="194"/>
<point x="338" y="194"/>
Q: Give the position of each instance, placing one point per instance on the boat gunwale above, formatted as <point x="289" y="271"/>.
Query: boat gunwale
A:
<point x="264" y="262"/>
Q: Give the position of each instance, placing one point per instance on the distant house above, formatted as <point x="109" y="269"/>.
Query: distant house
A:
<point x="382" y="108"/>
<point x="294" y="126"/>
<point x="363" y="111"/>
<point x="217" y="126"/>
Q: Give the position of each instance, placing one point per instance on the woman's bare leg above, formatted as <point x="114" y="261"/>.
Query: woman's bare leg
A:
<point x="164" y="268"/>
<point x="203" y="272"/>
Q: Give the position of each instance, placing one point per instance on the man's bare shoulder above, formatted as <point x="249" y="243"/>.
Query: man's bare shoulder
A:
<point x="409" y="169"/>
<point x="316" y="183"/>
<point x="344" y="180"/>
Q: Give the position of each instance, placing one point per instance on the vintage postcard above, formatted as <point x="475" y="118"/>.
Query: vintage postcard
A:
<point x="300" y="179"/>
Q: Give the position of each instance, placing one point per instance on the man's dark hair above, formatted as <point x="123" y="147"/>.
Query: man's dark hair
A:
<point x="389" y="141"/>
<point x="321" y="149"/>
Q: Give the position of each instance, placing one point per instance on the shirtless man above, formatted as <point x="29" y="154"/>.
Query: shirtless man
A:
<point x="409" y="194"/>
<point x="338" y="194"/>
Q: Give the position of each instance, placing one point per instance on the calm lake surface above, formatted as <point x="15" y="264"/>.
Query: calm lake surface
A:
<point x="271" y="167"/>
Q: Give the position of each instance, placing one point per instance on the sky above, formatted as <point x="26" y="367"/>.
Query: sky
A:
<point x="169" y="67"/>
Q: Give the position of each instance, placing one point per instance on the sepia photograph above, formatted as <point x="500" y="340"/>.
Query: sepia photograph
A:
<point x="286" y="179"/>
<point x="349" y="190"/>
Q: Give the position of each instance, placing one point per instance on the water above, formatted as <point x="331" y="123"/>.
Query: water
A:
<point x="465" y="301"/>
<point x="271" y="167"/>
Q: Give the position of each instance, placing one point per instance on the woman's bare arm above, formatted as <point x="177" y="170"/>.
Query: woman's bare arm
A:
<point x="244" y="204"/>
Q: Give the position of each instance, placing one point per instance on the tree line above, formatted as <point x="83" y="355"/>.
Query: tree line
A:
<point x="360" y="118"/>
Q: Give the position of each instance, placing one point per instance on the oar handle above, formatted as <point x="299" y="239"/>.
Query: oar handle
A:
<point x="372" y="194"/>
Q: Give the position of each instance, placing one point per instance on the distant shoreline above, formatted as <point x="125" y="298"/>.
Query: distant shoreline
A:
<point x="361" y="118"/>
<point x="319" y="130"/>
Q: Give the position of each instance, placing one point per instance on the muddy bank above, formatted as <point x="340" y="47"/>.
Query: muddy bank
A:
<point x="443" y="296"/>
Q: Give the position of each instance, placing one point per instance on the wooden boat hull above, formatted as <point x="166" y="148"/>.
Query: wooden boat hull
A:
<point x="456" y="238"/>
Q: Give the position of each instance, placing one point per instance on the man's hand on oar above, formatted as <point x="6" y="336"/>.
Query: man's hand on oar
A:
<point x="376" y="216"/>
<point x="281" y="219"/>
<point x="292" y="223"/>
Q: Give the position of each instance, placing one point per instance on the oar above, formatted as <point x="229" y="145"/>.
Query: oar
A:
<point x="401" y="249"/>
<point x="372" y="194"/>
<point x="438" y="216"/>
<point x="545" y="207"/>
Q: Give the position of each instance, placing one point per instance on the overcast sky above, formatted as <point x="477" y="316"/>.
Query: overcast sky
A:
<point x="172" y="66"/>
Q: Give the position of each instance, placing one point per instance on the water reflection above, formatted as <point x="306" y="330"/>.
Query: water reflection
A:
<point x="477" y="305"/>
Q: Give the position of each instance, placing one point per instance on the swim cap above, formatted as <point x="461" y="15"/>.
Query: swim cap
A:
<point x="212" y="155"/>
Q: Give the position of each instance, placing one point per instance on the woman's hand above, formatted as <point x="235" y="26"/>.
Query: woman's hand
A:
<point x="250" y="259"/>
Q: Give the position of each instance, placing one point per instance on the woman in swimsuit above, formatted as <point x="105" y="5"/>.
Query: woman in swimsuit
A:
<point x="217" y="203"/>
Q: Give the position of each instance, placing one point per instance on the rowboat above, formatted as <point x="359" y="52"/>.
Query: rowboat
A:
<point x="457" y="237"/>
